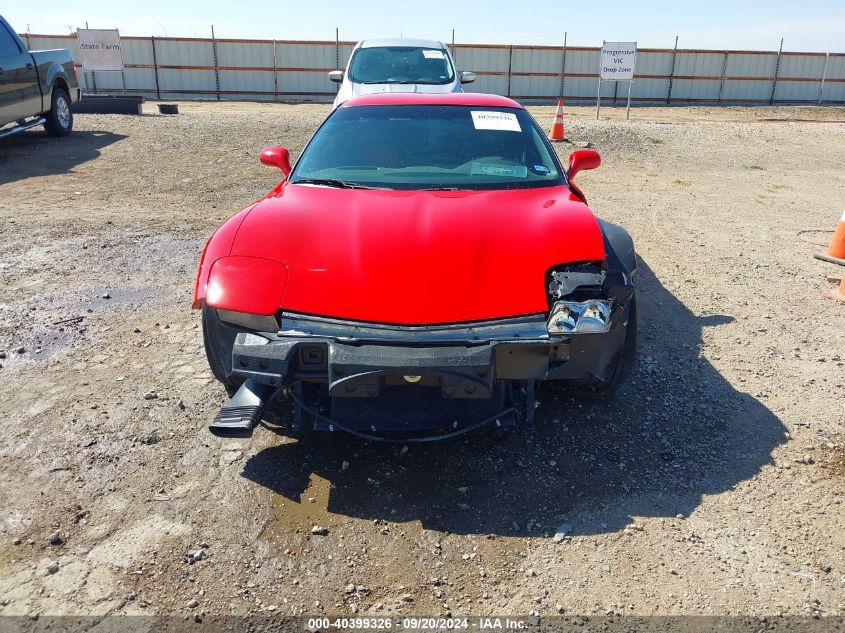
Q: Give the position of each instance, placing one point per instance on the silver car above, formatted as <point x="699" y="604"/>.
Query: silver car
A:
<point x="398" y="65"/>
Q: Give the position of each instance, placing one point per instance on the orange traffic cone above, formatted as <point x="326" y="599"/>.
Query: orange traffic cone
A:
<point x="837" y="244"/>
<point x="836" y="251"/>
<point x="556" y="133"/>
<point x="836" y="254"/>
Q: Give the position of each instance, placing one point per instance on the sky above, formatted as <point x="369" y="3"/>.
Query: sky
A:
<point x="812" y="25"/>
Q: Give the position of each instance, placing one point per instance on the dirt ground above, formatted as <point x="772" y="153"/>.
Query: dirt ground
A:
<point x="711" y="484"/>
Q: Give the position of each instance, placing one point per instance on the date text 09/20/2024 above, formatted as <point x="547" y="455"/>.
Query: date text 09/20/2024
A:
<point x="418" y="624"/>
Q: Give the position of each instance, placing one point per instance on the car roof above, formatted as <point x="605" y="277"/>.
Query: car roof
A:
<point x="476" y="99"/>
<point x="400" y="41"/>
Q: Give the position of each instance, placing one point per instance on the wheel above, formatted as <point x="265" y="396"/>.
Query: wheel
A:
<point x="623" y="363"/>
<point x="218" y="338"/>
<point x="59" y="118"/>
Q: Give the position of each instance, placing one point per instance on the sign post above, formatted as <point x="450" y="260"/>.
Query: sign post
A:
<point x="618" y="60"/>
<point x="101" y="51"/>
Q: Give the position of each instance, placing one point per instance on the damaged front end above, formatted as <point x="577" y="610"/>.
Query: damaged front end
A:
<point x="419" y="383"/>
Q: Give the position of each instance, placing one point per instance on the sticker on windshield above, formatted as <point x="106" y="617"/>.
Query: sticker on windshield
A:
<point x="432" y="54"/>
<point x="488" y="120"/>
<point x="492" y="169"/>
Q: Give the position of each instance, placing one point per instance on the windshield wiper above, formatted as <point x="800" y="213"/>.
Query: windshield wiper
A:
<point x="331" y="182"/>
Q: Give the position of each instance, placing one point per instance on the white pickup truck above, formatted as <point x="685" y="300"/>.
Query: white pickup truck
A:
<point x="36" y="87"/>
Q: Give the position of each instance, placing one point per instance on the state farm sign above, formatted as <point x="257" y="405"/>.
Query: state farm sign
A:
<point x="100" y="49"/>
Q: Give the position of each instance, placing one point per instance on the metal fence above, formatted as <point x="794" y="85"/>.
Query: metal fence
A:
<point x="202" y="68"/>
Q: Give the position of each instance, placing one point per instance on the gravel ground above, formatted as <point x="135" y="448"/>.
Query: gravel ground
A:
<point x="711" y="484"/>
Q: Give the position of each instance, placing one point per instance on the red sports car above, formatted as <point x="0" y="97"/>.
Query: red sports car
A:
<point x="425" y="262"/>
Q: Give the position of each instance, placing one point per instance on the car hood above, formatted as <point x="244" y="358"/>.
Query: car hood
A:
<point x="369" y="89"/>
<point x="349" y="90"/>
<point x="418" y="257"/>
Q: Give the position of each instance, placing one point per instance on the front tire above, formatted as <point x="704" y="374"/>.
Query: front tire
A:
<point x="60" y="117"/>
<point x="623" y="363"/>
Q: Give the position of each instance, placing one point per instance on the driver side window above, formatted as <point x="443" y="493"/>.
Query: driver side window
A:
<point x="8" y="45"/>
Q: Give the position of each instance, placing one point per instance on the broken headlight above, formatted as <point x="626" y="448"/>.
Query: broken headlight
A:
<point x="568" y="279"/>
<point x="580" y="317"/>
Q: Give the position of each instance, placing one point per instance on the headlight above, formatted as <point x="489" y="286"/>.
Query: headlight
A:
<point x="580" y="317"/>
<point x="252" y="285"/>
<point x="563" y="282"/>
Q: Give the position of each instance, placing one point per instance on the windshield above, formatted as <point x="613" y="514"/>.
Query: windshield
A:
<point x="428" y="147"/>
<point x="400" y="64"/>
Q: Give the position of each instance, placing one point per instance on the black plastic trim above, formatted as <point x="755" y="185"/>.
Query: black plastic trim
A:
<point x="619" y="248"/>
<point x="302" y="326"/>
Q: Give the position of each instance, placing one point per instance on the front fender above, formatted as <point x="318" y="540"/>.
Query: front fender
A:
<point x="218" y="245"/>
<point x="618" y="245"/>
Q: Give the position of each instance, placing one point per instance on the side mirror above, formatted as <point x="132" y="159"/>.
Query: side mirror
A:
<point x="467" y="77"/>
<point x="582" y="159"/>
<point x="276" y="157"/>
<point x="336" y="76"/>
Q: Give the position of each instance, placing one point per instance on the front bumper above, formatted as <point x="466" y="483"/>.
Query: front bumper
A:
<point x="355" y="360"/>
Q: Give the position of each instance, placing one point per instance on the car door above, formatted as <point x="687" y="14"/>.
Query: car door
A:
<point x="20" y="95"/>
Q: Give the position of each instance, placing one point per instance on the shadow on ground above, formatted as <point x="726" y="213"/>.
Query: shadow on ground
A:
<point x="32" y="153"/>
<point x="676" y="432"/>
